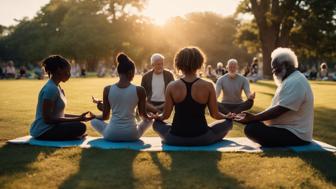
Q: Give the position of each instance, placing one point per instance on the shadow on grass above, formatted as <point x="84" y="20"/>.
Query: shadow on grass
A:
<point x="103" y="169"/>
<point x="194" y="170"/>
<point x="323" y="162"/>
<point x="15" y="159"/>
<point x="115" y="169"/>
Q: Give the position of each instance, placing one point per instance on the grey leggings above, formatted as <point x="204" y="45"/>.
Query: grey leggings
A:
<point x="217" y="131"/>
<point x="118" y="135"/>
<point x="235" y="108"/>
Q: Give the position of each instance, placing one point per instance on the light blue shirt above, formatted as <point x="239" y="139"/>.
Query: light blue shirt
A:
<point x="50" y="91"/>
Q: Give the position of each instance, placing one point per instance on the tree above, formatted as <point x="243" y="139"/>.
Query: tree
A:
<point x="277" y="19"/>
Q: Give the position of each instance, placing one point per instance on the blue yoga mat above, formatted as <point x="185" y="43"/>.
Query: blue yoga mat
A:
<point x="236" y="144"/>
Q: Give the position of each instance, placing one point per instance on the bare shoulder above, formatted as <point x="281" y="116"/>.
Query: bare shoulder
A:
<point x="107" y="88"/>
<point x="205" y="84"/>
<point x="140" y="89"/>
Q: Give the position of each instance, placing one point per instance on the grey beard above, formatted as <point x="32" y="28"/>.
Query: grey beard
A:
<point x="277" y="80"/>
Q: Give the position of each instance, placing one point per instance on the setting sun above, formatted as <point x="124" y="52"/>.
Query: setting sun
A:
<point x="160" y="11"/>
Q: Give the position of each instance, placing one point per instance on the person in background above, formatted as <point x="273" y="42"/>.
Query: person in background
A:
<point x="22" y="72"/>
<point x="231" y="85"/>
<point x="334" y="74"/>
<point x="313" y="73"/>
<point x="10" y="71"/>
<point x="254" y="68"/>
<point x="220" y="70"/>
<point x="324" y="74"/>
<point x="155" y="82"/>
<point x="210" y="74"/>
<point x="2" y="71"/>
<point x="101" y="70"/>
<point x="83" y="70"/>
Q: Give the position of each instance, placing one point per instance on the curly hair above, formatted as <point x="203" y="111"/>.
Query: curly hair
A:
<point x="189" y="59"/>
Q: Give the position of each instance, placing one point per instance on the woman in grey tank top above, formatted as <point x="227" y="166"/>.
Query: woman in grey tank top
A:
<point x="122" y="98"/>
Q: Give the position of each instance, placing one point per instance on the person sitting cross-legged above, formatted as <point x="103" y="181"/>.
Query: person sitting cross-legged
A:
<point x="289" y="120"/>
<point x="190" y="95"/>
<point x="232" y="84"/>
<point x="122" y="98"/>
<point x="155" y="83"/>
<point x="51" y="122"/>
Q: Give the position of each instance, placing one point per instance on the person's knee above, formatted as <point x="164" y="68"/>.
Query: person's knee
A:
<point x="250" y="103"/>
<point x="229" y="124"/>
<point x="156" y="126"/>
<point x="250" y="130"/>
<point x="82" y="128"/>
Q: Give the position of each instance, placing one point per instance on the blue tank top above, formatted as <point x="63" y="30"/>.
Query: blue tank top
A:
<point x="189" y="118"/>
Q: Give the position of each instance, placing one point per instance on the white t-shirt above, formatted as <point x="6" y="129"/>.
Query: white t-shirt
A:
<point x="158" y="88"/>
<point x="295" y="94"/>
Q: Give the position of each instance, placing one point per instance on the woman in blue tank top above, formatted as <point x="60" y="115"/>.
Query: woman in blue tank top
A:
<point x="51" y="122"/>
<point x="190" y="96"/>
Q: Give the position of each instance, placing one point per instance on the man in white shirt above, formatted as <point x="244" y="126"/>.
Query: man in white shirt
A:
<point x="155" y="82"/>
<point x="232" y="84"/>
<point x="290" y="118"/>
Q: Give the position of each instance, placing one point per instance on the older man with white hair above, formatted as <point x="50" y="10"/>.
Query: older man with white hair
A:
<point x="232" y="84"/>
<point x="290" y="118"/>
<point x="155" y="82"/>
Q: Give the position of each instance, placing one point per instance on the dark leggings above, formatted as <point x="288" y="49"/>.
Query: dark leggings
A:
<point x="268" y="136"/>
<point x="235" y="108"/>
<point x="64" y="131"/>
<point x="216" y="133"/>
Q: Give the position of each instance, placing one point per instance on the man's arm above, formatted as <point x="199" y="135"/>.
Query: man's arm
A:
<point x="268" y="114"/>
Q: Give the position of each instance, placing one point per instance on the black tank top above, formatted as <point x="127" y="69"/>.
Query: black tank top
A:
<point x="189" y="118"/>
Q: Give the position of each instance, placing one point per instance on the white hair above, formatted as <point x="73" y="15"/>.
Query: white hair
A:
<point x="155" y="57"/>
<point x="232" y="61"/>
<point x="285" y="55"/>
<point x="219" y="64"/>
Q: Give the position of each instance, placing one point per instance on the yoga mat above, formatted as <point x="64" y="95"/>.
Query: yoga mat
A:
<point x="236" y="144"/>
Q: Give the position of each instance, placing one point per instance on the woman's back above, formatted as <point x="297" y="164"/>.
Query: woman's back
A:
<point x="123" y="102"/>
<point x="190" y="99"/>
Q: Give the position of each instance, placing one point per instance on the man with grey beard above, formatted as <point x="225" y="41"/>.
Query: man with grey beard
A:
<point x="231" y="85"/>
<point x="290" y="118"/>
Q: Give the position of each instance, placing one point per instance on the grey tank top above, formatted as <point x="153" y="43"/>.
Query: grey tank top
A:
<point x="123" y="102"/>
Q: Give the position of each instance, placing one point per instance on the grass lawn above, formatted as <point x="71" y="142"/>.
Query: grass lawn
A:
<point x="24" y="166"/>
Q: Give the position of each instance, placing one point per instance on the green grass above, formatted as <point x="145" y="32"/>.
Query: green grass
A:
<point x="24" y="166"/>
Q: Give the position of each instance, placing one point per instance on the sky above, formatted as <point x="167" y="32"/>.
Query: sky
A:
<point x="158" y="10"/>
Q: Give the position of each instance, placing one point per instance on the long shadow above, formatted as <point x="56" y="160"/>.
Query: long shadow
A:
<point x="103" y="169"/>
<point x="15" y="159"/>
<point x="194" y="170"/>
<point x="323" y="162"/>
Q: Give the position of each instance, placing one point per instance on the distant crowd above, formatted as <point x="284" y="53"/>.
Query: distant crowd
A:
<point x="8" y="70"/>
